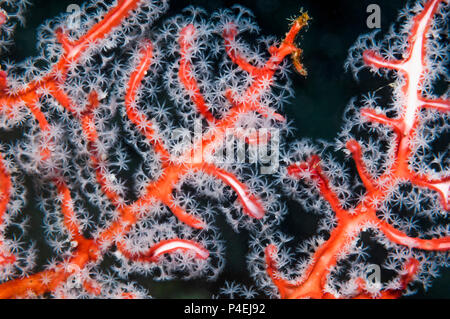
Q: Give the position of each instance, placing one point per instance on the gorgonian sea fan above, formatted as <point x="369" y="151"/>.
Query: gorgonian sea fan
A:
<point x="117" y="89"/>
<point x="390" y="219"/>
<point x="124" y="125"/>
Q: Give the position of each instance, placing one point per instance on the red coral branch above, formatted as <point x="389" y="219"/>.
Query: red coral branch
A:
<point x="186" y="74"/>
<point x="312" y="283"/>
<point x="166" y="247"/>
<point x="89" y="250"/>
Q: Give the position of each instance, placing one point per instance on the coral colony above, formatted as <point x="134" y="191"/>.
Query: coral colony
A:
<point x="130" y="133"/>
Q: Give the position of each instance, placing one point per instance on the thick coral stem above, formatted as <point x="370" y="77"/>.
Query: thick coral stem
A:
<point x="413" y="69"/>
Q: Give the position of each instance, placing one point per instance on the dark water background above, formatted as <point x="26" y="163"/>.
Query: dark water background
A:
<point x="319" y="102"/>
